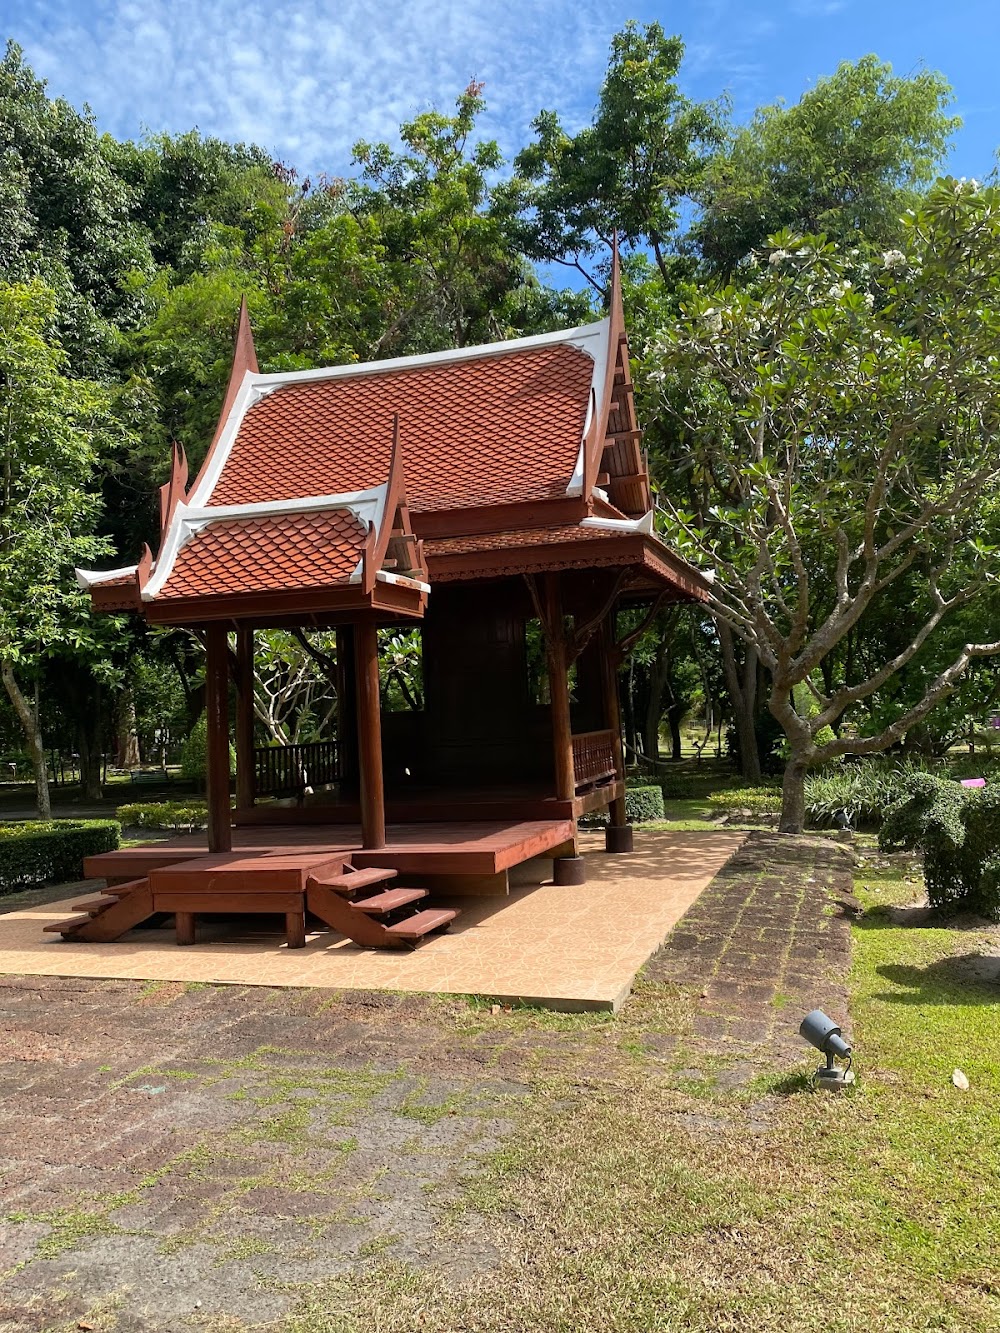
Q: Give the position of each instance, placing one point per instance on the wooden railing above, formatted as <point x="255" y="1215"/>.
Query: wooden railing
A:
<point x="593" y="758"/>
<point x="282" y="770"/>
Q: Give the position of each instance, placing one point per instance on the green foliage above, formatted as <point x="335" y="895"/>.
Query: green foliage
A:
<point x="172" y="815"/>
<point x="758" y="800"/>
<point x="846" y="160"/>
<point x="194" y="753"/>
<point x="49" y="428"/>
<point x="958" y="831"/>
<point x="450" y="256"/>
<point x="51" y="851"/>
<point x="835" y="431"/>
<point x="66" y="216"/>
<point x="863" y="791"/>
<point x="630" y="170"/>
<point x="643" y="804"/>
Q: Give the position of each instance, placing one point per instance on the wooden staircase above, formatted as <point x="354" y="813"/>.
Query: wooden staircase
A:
<point x="108" y="917"/>
<point x="360" y="906"/>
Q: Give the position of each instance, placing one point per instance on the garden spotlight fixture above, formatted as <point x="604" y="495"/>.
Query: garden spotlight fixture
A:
<point x="823" y="1033"/>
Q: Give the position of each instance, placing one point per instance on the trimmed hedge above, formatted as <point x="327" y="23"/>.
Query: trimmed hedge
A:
<point x="958" y="831"/>
<point x="644" y="804"/>
<point x="172" y="815"/>
<point x="38" y="852"/>
<point x="755" y="800"/>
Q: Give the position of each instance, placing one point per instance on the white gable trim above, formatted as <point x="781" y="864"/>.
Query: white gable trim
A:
<point x="643" y="524"/>
<point x="188" y="520"/>
<point x="244" y="399"/>
<point x="89" y="578"/>
<point x="599" y="351"/>
<point x="591" y="339"/>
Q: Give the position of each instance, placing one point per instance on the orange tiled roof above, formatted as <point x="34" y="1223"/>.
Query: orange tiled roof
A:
<point x="495" y="429"/>
<point x="274" y="553"/>
<point x="519" y="537"/>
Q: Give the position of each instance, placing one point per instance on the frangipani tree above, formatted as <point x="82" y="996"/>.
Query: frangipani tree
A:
<point x="834" y="427"/>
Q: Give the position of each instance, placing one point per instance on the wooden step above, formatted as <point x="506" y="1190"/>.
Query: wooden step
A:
<point x="422" y="923"/>
<point x="95" y="905"/>
<point x="353" y="880"/>
<point x="64" y="927"/>
<point x="124" y="888"/>
<point x="380" y="903"/>
<point x="124" y="913"/>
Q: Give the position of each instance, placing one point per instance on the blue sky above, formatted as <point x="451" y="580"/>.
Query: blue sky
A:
<point x="307" y="78"/>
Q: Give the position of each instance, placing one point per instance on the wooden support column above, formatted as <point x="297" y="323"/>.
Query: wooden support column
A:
<point x="220" y="830"/>
<point x="613" y="722"/>
<point x="244" y="719"/>
<point x="347" y="713"/>
<point x="369" y="721"/>
<point x="562" y="736"/>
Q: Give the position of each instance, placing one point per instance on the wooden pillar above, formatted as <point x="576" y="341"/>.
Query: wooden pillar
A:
<point x="347" y="730"/>
<point x="244" y="719"/>
<point x="369" y="735"/>
<point x="562" y="735"/>
<point x="220" y="831"/>
<point x="612" y="712"/>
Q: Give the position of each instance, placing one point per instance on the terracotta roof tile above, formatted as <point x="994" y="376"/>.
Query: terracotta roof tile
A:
<point x="487" y="430"/>
<point x="519" y="537"/>
<point x="288" y="551"/>
<point x="123" y="581"/>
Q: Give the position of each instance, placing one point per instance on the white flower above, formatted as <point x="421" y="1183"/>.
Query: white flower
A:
<point x="894" y="259"/>
<point x="928" y="362"/>
<point x="713" y="319"/>
<point x="777" y="257"/>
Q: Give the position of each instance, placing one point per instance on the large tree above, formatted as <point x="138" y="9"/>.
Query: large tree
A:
<point x="846" y="161"/>
<point x="633" y="169"/>
<point x="49" y="426"/>
<point x="835" y="427"/>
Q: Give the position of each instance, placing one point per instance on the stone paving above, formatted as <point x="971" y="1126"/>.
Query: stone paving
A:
<point x="180" y="1156"/>
<point x="767" y="943"/>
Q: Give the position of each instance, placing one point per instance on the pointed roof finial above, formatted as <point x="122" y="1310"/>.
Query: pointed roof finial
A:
<point x="244" y="359"/>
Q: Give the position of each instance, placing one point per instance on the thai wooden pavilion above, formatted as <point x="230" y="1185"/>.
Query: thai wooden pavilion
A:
<point x="494" y="496"/>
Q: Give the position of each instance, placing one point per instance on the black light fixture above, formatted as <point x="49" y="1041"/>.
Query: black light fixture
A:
<point x="822" y="1032"/>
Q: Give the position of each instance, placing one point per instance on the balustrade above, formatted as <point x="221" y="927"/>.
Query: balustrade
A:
<point x="280" y="770"/>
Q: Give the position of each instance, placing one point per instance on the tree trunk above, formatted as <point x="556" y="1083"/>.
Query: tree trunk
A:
<point x="742" y="694"/>
<point x="793" y="796"/>
<point x="31" y="726"/>
<point x="654" y="703"/>
<point x="128" y="736"/>
<point x="674" y="714"/>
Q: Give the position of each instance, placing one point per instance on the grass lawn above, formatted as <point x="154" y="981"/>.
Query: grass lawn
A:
<point x="644" y="1194"/>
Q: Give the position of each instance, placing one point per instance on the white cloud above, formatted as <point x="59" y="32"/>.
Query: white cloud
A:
<point x="309" y="80"/>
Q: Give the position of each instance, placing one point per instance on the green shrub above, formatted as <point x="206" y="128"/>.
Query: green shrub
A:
<point x="958" y="831"/>
<point x="864" y="790"/>
<point x="194" y="754"/>
<point x="644" y="804"/>
<point x="756" y="800"/>
<point x="37" y="852"/>
<point x="173" y="815"/>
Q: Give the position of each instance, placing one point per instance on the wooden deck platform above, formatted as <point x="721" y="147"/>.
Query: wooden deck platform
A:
<point x="472" y="856"/>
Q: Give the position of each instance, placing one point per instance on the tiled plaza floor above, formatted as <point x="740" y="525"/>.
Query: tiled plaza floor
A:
<point x="567" y="947"/>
